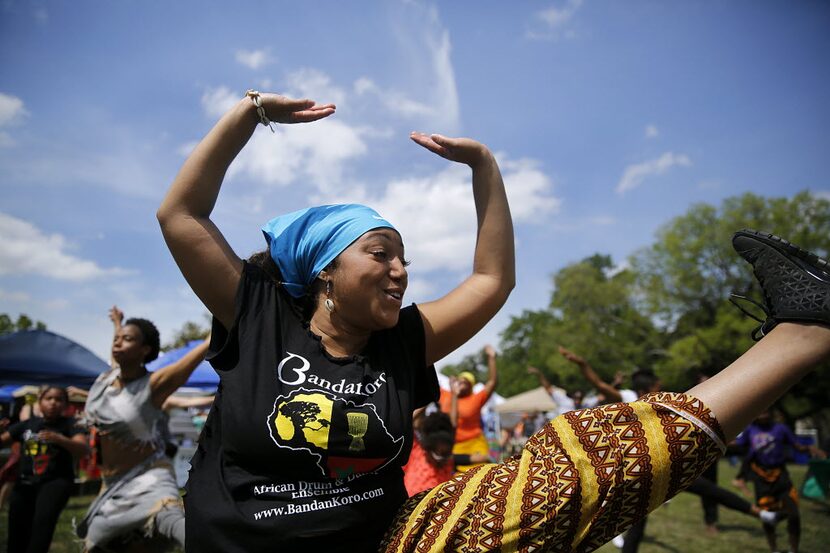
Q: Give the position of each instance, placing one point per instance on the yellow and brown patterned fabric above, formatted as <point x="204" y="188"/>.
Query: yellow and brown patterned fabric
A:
<point x="582" y="479"/>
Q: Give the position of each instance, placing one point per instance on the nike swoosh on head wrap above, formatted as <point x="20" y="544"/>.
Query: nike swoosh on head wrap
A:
<point x="304" y="242"/>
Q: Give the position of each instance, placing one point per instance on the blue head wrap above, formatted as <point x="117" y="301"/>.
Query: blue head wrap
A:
<point x="304" y="242"/>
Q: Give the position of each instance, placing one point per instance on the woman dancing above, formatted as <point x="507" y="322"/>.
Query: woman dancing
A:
<point x="321" y="368"/>
<point x="139" y="507"/>
<point x="49" y="445"/>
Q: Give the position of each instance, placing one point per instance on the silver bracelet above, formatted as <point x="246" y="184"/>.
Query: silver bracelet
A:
<point x="260" y="111"/>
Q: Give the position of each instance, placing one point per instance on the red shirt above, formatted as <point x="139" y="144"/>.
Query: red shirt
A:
<point x="469" y="413"/>
<point x="420" y="475"/>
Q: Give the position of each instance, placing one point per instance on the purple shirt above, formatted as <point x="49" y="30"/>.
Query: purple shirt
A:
<point x="768" y="446"/>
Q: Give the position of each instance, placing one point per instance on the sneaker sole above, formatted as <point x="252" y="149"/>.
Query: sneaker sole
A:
<point x="814" y="265"/>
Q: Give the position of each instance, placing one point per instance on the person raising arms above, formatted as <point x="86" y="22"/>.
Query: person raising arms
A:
<point x="321" y="367"/>
<point x="469" y="436"/>
<point x="139" y="507"/>
<point x="320" y="364"/>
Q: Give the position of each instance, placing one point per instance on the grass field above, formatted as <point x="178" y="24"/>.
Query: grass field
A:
<point x="674" y="528"/>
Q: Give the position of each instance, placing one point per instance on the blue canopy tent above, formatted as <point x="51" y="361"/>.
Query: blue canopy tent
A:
<point x="7" y="393"/>
<point x="203" y="376"/>
<point x="43" y="357"/>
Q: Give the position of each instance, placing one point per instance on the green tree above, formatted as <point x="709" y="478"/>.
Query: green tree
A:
<point x="593" y="311"/>
<point x="691" y="268"/>
<point x="187" y="333"/>
<point x="23" y="322"/>
<point x="687" y="275"/>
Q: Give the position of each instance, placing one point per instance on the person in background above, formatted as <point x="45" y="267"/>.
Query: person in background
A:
<point x="324" y="305"/>
<point x="469" y="436"/>
<point x="48" y="445"/>
<point x="432" y="461"/>
<point x="642" y="381"/>
<point x="768" y="443"/>
<point x="139" y="504"/>
<point x="565" y="401"/>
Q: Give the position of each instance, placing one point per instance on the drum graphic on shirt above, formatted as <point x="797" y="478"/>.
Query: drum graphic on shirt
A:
<point x="358" y="425"/>
<point x="341" y="437"/>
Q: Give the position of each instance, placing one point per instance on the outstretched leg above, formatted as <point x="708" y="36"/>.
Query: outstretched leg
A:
<point x="796" y="288"/>
<point x="589" y="474"/>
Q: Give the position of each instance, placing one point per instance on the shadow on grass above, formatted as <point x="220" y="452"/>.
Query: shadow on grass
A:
<point x="750" y="530"/>
<point x="662" y="545"/>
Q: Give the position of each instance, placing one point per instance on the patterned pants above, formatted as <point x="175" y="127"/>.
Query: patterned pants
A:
<point x="582" y="479"/>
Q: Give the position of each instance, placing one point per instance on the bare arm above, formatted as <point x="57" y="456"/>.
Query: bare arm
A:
<point x="167" y="380"/>
<point x="76" y="445"/>
<point x="543" y="381"/>
<point x="590" y="375"/>
<point x="176" y="402"/>
<point x="453" y="319"/>
<point x="492" y="371"/>
<point x="454" y="402"/>
<point x="206" y="260"/>
<point x="75" y="391"/>
<point x="117" y="318"/>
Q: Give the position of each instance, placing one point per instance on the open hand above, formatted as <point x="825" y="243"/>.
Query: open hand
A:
<point x="281" y="109"/>
<point x="461" y="150"/>
<point x="116" y="315"/>
<point x="489" y="351"/>
<point x="570" y="356"/>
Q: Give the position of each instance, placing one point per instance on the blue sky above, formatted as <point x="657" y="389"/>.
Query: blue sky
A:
<point x="608" y="118"/>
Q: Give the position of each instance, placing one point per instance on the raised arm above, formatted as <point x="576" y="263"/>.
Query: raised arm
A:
<point x="117" y="317"/>
<point x="543" y="381"/>
<point x="453" y="319"/>
<point x="590" y="375"/>
<point x="206" y="260"/>
<point x="170" y="378"/>
<point x="492" y="371"/>
<point x="454" y="401"/>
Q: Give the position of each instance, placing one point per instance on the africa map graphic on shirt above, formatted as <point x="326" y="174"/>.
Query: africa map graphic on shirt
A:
<point x="334" y="432"/>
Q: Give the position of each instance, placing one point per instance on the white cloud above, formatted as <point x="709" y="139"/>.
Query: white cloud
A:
<point x="253" y="58"/>
<point x="314" y="152"/>
<point x="527" y="187"/>
<point x="316" y="85"/>
<point x="823" y="194"/>
<point x="557" y="17"/>
<point x="14" y="297"/>
<point x="426" y="92"/>
<point x="12" y="112"/>
<point x="393" y="100"/>
<point x="294" y="152"/>
<point x="633" y="175"/>
<point x="435" y="214"/>
<point x="217" y="101"/>
<point x="25" y="249"/>
<point x="651" y="131"/>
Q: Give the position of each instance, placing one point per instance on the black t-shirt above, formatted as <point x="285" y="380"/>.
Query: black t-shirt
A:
<point x="302" y="449"/>
<point x="41" y="461"/>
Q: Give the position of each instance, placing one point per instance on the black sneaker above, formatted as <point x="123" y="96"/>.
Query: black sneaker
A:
<point x="795" y="282"/>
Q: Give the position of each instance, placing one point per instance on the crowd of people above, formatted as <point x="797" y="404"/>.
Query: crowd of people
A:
<point x="329" y="430"/>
